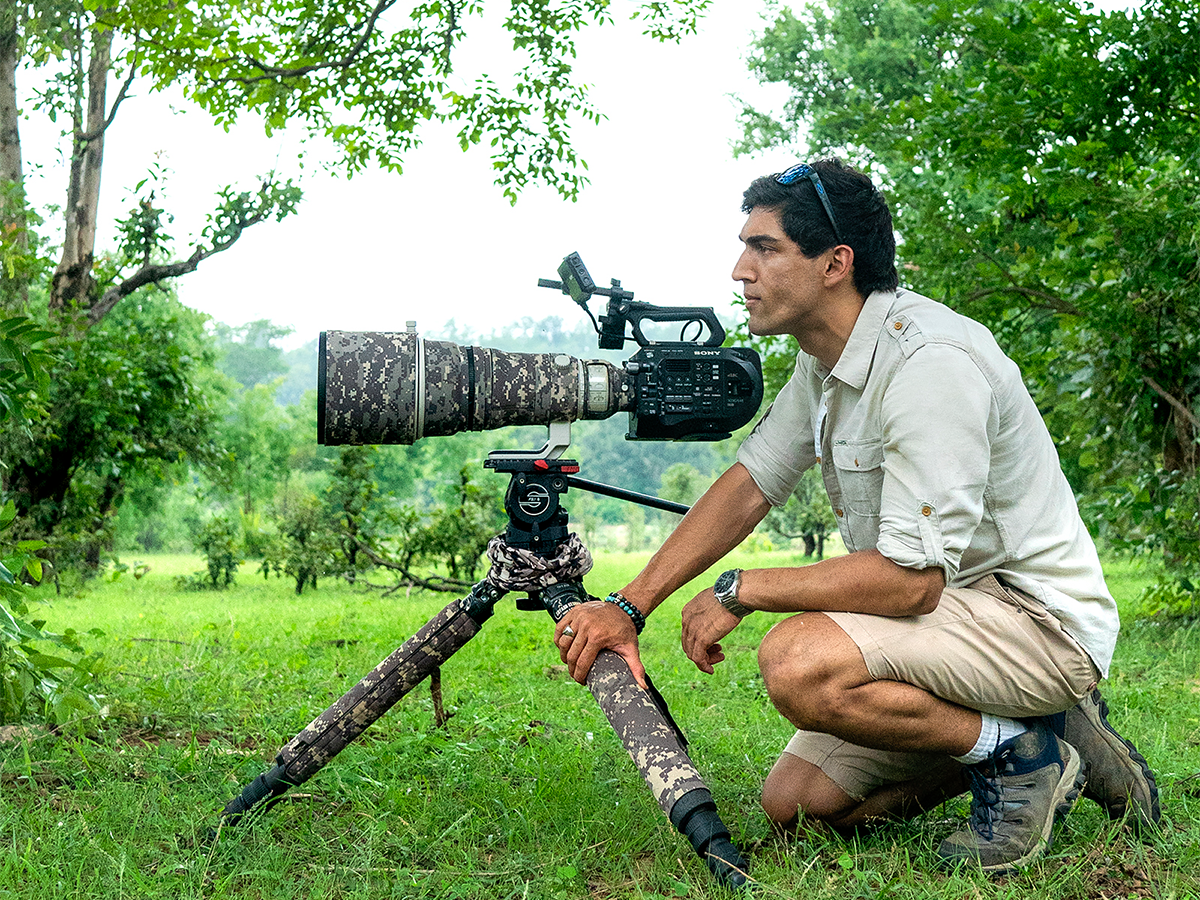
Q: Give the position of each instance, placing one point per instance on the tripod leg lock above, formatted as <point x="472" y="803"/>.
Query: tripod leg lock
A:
<point x="481" y="602"/>
<point x="695" y="816"/>
<point x="266" y="786"/>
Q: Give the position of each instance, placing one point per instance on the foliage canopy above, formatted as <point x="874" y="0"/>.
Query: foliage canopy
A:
<point x="1043" y="164"/>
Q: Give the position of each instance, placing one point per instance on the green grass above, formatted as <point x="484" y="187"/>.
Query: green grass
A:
<point x="524" y="793"/>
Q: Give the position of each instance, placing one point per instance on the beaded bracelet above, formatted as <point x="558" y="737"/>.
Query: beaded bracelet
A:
<point x="639" y="620"/>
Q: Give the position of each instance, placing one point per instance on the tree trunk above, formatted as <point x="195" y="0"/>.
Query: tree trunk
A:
<point x="14" y="291"/>
<point x="1179" y="446"/>
<point x="73" y="284"/>
<point x="39" y="484"/>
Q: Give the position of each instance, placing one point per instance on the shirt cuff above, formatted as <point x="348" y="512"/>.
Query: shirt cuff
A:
<point x="920" y="544"/>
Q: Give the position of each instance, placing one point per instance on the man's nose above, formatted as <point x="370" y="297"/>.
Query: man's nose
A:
<point x="741" y="269"/>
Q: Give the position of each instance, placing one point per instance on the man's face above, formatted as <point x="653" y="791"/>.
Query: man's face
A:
<point x="781" y="285"/>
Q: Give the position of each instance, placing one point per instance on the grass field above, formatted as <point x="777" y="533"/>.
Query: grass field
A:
<point x="524" y="793"/>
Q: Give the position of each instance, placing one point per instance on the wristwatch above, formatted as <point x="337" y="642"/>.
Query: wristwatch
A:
<point x="726" y="591"/>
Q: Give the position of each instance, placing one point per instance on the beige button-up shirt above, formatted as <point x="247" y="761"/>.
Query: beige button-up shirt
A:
<point x="933" y="452"/>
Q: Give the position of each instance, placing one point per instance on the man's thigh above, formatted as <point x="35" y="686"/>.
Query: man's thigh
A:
<point x="985" y="647"/>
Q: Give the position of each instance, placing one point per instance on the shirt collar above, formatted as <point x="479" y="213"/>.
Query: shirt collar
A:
<point x="854" y="364"/>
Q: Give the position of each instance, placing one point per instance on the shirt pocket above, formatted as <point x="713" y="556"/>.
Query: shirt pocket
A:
<point x="859" y="466"/>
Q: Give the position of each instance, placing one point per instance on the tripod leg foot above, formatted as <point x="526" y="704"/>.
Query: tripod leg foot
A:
<point x="695" y="815"/>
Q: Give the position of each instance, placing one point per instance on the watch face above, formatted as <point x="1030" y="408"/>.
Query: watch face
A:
<point x="725" y="582"/>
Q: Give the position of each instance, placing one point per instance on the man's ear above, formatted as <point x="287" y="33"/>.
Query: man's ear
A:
<point x="839" y="264"/>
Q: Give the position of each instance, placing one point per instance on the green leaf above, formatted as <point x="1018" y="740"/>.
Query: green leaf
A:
<point x="45" y="661"/>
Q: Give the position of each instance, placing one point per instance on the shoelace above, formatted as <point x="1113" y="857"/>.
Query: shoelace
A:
<point x="985" y="797"/>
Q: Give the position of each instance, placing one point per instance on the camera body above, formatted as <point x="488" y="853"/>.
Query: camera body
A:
<point x="683" y="390"/>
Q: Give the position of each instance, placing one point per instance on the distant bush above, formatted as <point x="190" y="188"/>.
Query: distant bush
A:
<point x="219" y="541"/>
<point x="1170" y="598"/>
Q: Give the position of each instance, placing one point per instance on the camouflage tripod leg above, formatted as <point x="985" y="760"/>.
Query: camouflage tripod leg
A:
<point x="326" y="735"/>
<point x="659" y="750"/>
<point x="641" y="721"/>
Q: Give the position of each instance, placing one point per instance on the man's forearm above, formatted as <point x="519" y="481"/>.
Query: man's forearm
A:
<point x="717" y="523"/>
<point x="865" y="582"/>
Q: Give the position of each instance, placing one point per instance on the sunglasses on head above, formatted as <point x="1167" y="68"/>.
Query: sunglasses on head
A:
<point x="804" y="170"/>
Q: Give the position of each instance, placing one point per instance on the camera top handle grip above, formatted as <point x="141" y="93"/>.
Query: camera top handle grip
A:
<point x="634" y="312"/>
<point x="577" y="283"/>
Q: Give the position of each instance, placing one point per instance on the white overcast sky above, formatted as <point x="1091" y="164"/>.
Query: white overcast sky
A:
<point x="439" y="241"/>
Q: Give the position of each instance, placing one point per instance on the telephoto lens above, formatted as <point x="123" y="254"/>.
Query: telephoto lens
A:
<point x="384" y="387"/>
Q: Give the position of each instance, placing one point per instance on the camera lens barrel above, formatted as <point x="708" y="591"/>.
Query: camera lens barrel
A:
<point x="380" y="387"/>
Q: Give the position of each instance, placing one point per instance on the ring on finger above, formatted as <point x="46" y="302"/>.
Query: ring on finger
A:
<point x="568" y="632"/>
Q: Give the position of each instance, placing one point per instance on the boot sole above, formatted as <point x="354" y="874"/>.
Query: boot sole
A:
<point x="1122" y="808"/>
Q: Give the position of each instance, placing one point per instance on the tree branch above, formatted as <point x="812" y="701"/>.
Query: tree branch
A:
<point x="1176" y="404"/>
<point x="142" y="277"/>
<point x="112" y="113"/>
<point x="368" y="28"/>
<point x="437" y="583"/>
<point x="1051" y="301"/>
<point x="150" y="273"/>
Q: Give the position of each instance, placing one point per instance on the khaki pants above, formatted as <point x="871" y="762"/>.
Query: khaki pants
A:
<point x="986" y="647"/>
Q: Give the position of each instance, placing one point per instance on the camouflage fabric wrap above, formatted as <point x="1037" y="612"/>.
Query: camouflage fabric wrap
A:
<point x="365" y="388"/>
<point x="377" y="692"/>
<point x="378" y="387"/>
<point x="518" y="569"/>
<point x="653" y="745"/>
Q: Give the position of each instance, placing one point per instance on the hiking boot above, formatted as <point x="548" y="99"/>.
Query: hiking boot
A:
<point x="1118" y="777"/>
<point x="1016" y="794"/>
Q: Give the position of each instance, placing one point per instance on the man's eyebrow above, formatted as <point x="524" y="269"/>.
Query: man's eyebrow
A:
<point x="759" y="240"/>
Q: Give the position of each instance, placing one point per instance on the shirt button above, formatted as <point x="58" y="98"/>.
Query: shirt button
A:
<point x="839" y="512"/>
<point x="926" y="510"/>
<point x="897" y="325"/>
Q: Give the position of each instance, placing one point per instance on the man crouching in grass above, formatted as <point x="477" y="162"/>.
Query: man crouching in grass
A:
<point x="959" y="643"/>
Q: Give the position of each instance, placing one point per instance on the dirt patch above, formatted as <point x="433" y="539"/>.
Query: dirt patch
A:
<point x="38" y="779"/>
<point x="1112" y="877"/>
<point x="11" y="733"/>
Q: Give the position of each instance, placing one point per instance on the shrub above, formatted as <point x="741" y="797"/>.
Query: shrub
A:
<point x="33" y="684"/>
<point x="218" y="541"/>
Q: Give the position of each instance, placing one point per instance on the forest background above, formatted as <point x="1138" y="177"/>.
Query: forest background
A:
<point x="1041" y="158"/>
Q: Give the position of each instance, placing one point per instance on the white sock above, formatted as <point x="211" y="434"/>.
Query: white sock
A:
<point x="993" y="732"/>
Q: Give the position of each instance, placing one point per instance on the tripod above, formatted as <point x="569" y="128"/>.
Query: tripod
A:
<point x="539" y="555"/>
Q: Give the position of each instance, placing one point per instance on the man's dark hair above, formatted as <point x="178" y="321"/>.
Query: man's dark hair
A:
<point x="863" y="219"/>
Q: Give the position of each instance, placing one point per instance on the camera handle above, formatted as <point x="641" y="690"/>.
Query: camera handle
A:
<point x="526" y="557"/>
<point x="577" y="283"/>
<point x="620" y="311"/>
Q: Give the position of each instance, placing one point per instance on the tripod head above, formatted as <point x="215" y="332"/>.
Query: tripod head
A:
<point x="538" y="479"/>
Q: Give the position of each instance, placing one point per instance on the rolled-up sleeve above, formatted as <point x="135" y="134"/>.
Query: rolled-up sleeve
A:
<point x="938" y="419"/>
<point x="781" y="448"/>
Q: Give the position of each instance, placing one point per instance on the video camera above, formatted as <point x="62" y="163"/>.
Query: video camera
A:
<point x="395" y="387"/>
